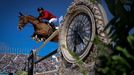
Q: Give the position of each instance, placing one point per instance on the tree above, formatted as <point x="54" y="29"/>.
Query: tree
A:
<point x="120" y="61"/>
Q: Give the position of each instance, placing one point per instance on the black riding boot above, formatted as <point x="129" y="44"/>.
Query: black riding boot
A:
<point x="53" y="26"/>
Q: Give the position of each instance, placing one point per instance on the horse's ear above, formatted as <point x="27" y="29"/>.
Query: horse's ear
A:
<point x="21" y="14"/>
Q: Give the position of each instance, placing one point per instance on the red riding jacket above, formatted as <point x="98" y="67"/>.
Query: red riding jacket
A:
<point x="46" y="15"/>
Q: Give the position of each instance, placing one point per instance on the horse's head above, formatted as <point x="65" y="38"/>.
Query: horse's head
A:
<point x="22" y="21"/>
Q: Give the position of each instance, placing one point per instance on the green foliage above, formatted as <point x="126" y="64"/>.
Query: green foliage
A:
<point x="94" y="1"/>
<point x="21" y="73"/>
<point x="79" y="62"/>
<point x="101" y="47"/>
<point x="120" y="60"/>
<point x="112" y="64"/>
<point x="122" y="23"/>
<point x="130" y="39"/>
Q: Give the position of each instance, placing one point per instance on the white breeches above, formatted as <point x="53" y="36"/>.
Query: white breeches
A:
<point x="53" y="20"/>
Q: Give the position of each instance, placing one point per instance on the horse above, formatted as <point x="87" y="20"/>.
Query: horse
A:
<point x="42" y="30"/>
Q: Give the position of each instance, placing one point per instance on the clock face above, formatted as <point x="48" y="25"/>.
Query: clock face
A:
<point x="79" y="33"/>
<point x="79" y="30"/>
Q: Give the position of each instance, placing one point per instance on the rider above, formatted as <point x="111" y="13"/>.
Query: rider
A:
<point x="44" y="14"/>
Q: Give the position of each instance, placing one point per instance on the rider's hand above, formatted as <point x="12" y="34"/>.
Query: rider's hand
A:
<point x="39" y="19"/>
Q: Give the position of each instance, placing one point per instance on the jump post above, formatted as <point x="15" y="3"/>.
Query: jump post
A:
<point x="32" y="61"/>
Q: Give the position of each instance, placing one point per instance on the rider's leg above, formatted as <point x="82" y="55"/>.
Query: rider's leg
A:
<point x="52" y="21"/>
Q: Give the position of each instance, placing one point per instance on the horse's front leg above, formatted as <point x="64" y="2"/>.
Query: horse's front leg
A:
<point x="35" y="37"/>
<point x="43" y="39"/>
<point x="38" y="37"/>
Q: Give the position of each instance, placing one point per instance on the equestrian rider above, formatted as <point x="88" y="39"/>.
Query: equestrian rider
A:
<point x="44" y="14"/>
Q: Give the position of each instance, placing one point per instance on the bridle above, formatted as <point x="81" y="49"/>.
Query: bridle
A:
<point x="22" y="23"/>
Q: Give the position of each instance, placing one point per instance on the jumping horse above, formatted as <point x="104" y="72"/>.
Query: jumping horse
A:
<point x="42" y="30"/>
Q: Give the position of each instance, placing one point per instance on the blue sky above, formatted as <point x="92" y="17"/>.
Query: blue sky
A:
<point x="12" y="38"/>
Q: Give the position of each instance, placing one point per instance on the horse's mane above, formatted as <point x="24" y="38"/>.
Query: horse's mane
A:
<point x="32" y="17"/>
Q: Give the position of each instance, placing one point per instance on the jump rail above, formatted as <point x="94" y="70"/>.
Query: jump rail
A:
<point x="47" y="72"/>
<point x="47" y="40"/>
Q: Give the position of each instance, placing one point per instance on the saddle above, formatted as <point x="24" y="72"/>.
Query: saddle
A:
<point x="51" y="24"/>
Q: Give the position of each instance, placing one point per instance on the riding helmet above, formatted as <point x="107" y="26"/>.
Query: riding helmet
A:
<point x="40" y="9"/>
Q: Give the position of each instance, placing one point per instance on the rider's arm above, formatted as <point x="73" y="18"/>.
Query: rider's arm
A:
<point x="39" y="17"/>
<point x="44" y="15"/>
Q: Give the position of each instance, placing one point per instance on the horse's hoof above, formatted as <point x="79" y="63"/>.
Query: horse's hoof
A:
<point x="37" y="40"/>
<point x="42" y="39"/>
<point x="36" y="36"/>
<point x="33" y="38"/>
